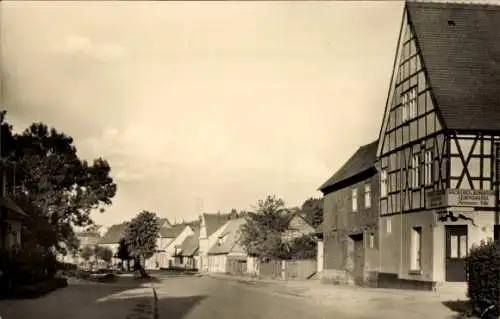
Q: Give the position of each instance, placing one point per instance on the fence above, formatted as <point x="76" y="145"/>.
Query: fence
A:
<point x="288" y="269"/>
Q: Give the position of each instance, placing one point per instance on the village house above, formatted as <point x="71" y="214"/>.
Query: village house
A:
<point x="350" y="217"/>
<point x="171" y="238"/>
<point x="210" y="229"/>
<point x="297" y="226"/>
<point x="226" y="254"/>
<point x="111" y="239"/>
<point x="14" y="218"/>
<point x="187" y="252"/>
<point x="438" y="143"/>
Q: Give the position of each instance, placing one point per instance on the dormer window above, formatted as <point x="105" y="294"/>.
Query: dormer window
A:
<point x="409" y="104"/>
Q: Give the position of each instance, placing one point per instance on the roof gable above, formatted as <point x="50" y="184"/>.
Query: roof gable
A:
<point x="114" y="234"/>
<point x="460" y="47"/>
<point x="172" y="231"/>
<point x="230" y="238"/>
<point x="214" y="222"/>
<point x="363" y="159"/>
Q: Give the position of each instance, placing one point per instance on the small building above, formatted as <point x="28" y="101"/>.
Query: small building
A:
<point x="187" y="253"/>
<point x="227" y="255"/>
<point x="438" y="143"/>
<point x="171" y="238"/>
<point x="111" y="239"/>
<point x="297" y="226"/>
<point x="350" y="220"/>
<point x="210" y="228"/>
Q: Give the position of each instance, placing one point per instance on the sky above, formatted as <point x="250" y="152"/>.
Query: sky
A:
<point x="203" y="105"/>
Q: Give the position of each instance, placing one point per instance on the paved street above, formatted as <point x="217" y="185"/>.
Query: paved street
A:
<point x="79" y="301"/>
<point x="205" y="297"/>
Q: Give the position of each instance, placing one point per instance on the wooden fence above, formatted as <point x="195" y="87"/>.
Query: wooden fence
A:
<point x="288" y="269"/>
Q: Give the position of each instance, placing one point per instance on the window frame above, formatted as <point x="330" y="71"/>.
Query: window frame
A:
<point x="416" y="249"/>
<point x="383" y="183"/>
<point x="368" y="195"/>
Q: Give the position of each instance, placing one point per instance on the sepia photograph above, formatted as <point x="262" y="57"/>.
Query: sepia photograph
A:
<point x="250" y="159"/>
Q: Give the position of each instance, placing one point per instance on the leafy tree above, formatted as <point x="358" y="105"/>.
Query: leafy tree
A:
<point x="123" y="253"/>
<point x="313" y="209"/>
<point x="104" y="253"/>
<point x="86" y="253"/>
<point x="261" y="234"/>
<point x="42" y="163"/>
<point x="303" y="247"/>
<point x="141" y="236"/>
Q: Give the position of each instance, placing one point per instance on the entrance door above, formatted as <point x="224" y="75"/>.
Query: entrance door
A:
<point x="358" y="258"/>
<point x="456" y="251"/>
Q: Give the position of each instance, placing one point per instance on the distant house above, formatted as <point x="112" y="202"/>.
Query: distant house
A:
<point x="112" y="237"/>
<point x="86" y="239"/>
<point x="297" y="227"/>
<point x="187" y="252"/>
<point x="170" y="238"/>
<point x="210" y="229"/>
<point x="227" y="255"/>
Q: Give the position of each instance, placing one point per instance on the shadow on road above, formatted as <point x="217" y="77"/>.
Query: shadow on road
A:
<point x="460" y="307"/>
<point x="177" y="307"/>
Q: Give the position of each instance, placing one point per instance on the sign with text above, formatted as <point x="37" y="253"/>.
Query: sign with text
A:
<point x="460" y="198"/>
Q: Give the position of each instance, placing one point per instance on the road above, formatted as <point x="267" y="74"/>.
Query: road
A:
<point x="79" y="301"/>
<point x="205" y="297"/>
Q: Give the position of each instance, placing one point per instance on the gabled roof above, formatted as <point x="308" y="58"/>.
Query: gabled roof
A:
<point x="214" y="222"/>
<point x="363" y="160"/>
<point x="164" y="222"/>
<point x="230" y="238"/>
<point x="298" y="215"/>
<point x="114" y="234"/>
<point x="190" y="245"/>
<point x="460" y="47"/>
<point x="173" y="231"/>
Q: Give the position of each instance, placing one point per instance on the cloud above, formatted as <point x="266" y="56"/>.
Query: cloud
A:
<point x="79" y="45"/>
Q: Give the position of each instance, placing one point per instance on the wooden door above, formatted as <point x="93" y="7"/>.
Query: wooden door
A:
<point x="456" y="251"/>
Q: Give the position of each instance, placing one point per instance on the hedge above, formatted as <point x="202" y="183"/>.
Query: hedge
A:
<point x="483" y="276"/>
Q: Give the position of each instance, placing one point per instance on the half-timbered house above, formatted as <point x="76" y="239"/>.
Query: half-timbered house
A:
<point x="438" y="142"/>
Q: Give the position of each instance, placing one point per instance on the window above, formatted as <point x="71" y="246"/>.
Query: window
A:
<point x="415" y="171"/>
<point x="354" y="200"/>
<point x="388" y="226"/>
<point x="371" y="242"/>
<point x="383" y="183"/>
<point x="416" y="245"/>
<point x="409" y="104"/>
<point x="428" y="168"/>
<point x="368" y="196"/>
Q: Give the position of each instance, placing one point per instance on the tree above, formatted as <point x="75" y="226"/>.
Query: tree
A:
<point x="42" y="163"/>
<point x="313" y="209"/>
<point x="261" y="234"/>
<point x="303" y="247"/>
<point x="141" y="236"/>
<point x="123" y="253"/>
<point x="104" y="253"/>
<point x="86" y="253"/>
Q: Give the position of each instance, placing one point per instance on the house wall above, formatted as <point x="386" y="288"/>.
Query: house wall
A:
<point x="433" y="242"/>
<point x="297" y="228"/>
<point x="165" y="259"/>
<point x="217" y="263"/>
<point x="206" y="243"/>
<point x="340" y="222"/>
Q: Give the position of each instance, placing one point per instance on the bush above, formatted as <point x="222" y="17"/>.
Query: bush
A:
<point x="483" y="276"/>
<point x="65" y="266"/>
